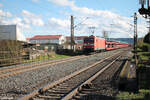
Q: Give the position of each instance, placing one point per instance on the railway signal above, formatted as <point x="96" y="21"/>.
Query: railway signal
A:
<point x="145" y="12"/>
<point x="142" y="2"/>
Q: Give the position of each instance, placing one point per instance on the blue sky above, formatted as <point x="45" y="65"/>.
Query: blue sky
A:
<point x="46" y="17"/>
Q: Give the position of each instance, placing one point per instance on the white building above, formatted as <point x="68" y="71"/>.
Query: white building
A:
<point x="11" y="32"/>
<point x="43" y="39"/>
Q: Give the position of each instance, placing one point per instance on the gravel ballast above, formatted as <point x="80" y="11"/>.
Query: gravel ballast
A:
<point x="27" y="82"/>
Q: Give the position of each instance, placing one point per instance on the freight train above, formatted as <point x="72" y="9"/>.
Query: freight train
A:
<point x="93" y="43"/>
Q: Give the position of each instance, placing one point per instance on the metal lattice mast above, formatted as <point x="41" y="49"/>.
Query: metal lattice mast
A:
<point x="135" y="37"/>
<point x="135" y="27"/>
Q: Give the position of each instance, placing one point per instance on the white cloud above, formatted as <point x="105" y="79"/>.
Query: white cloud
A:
<point x="102" y="20"/>
<point x="7" y="18"/>
<point x="63" y="2"/>
<point x="57" y="26"/>
<point x="37" y="22"/>
<point x="58" y="23"/>
<point x="5" y="14"/>
<point x="27" y="13"/>
<point x="25" y="22"/>
<point x="17" y="21"/>
<point x="31" y="18"/>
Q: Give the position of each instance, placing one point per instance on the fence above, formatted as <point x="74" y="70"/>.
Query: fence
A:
<point x="15" y="52"/>
<point x="10" y="53"/>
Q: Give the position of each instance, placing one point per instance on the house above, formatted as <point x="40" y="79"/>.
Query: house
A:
<point x="48" y="39"/>
<point x="28" y="40"/>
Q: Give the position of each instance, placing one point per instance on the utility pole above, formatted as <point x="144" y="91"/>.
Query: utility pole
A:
<point x="135" y="37"/>
<point x="135" y="47"/>
<point x="72" y="33"/>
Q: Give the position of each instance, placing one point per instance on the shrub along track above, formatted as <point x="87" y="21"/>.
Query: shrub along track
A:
<point x="68" y="86"/>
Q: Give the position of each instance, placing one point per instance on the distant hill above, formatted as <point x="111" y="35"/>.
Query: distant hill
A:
<point x="125" y="40"/>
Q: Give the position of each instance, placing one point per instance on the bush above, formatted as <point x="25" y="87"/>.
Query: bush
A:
<point x="146" y="47"/>
<point x="147" y="38"/>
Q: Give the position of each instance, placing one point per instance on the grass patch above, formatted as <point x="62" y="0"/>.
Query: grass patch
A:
<point x="57" y="56"/>
<point x="146" y="44"/>
<point x="144" y="91"/>
<point x="129" y="96"/>
<point x="141" y="65"/>
<point x="47" y="57"/>
<point x="143" y="53"/>
<point x="142" y="95"/>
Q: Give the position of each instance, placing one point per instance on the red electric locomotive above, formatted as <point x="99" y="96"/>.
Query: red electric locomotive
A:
<point x="93" y="43"/>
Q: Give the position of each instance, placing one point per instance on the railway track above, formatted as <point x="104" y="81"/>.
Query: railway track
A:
<point x="7" y="72"/>
<point x="101" y="86"/>
<point x="21" y="69"/>
<point x="68" y="86"/>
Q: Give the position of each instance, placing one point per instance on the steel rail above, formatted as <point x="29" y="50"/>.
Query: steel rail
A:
<point x="75" y="91"/>
<point x="36" y="92"/>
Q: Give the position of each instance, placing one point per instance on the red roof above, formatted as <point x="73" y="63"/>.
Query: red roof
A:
<point x="28" y="39"/>
<point x="46" y="37"/>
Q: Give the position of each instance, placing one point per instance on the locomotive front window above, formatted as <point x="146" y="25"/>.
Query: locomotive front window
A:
<point x="89" y="40"/>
